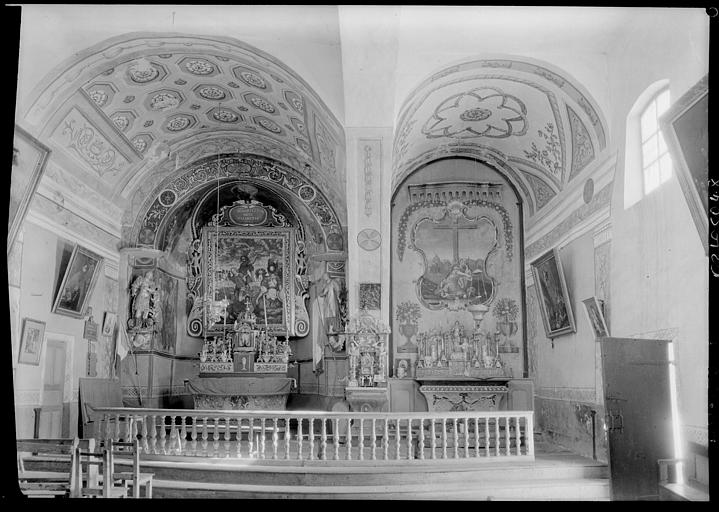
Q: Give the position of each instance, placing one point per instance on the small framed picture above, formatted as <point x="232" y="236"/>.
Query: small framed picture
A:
<point x="33" y="335"/>
<point x="553" y="295"/>
<point x="595" y="316"/>
<point x="77" y="283"/>
<point x="403" y="368"/>
<point x="108" y="325"/>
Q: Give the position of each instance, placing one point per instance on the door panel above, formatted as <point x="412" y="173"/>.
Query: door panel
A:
<point x="638" y="414"/>
<point x="52" y="391"/>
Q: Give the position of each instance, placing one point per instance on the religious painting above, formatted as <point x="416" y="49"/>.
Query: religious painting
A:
<point x="167" y="312"/>
<point x="77" y="284"/>
<point x="553" y="295"/>
<point x="403" y="368"/>
<point x="455" y="248"/>
<point x="28" y="163"/>
<point x="595" y="315"/>
<point x="685" y="127"/>
<point x="250" y="269"/>
<point x="370" y="296"/>
<point x="33" y="335"/>
<point x="108" y="325"/>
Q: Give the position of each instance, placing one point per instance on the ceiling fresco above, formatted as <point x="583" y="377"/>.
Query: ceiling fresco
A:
<point x="513" y="114"/>
<point x="143" y="103"/>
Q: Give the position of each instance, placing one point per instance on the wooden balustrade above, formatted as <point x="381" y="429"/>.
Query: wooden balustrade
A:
<point x="323" y="436"/>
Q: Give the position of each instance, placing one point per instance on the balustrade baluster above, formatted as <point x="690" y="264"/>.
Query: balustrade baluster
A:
<point x="409" y="439"/>
<point x="205" y="436"/>
<point x="444" y="438"/>
<point x="421" y="438"/>
<point x="193" y="435"/>
<point x="274" y="437"/>
<point x="466" y="438"/>
<point x="311" y="434"/>
<point x="287" y="438"/>
<point x="397" y="437"/>
<point x="163" y="435"/>
<point x="250" y="437"/>
<point x="181" y="436"/>
<point x="497" y="437"/>
<point x="299" y="438"/>
<point x="173" y="435"/>
<point x="434" y="438"/>
<point x="455" y="437"/>
<point x="323" y="446"/>
<point x="361" y="438"/>
<point x="133" y="429"/>
<point x="486" y="436"/>
<point x="144" y="434"/>
<point x="216" y="438"/>
<point x="476" y="436"/>
<point x="373" y="437"/>
<point x="349" y="439"/>
<point x="508" y="425"/>
<point x="336" y="437"/>
<point x="227" y="437"/>
<point x="238" y="438"/>
<point x="385" y="439"/>
<point x="116" y="437"/>
<point x="517" y="439"/>
<point x="152" y="434"/>
<point x="263" y="432"/>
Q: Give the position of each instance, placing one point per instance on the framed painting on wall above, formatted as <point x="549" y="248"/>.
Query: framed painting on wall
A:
<point x="553" y="295"/>
<point x="33" y="335"/>
<point x="28" y="163"/>
<point x="77" y="283"/>
<point x="108" y="326"/>
<point x="685" y="127"/>
<point x="250" y="269"/>
<point x="595" y="315"/>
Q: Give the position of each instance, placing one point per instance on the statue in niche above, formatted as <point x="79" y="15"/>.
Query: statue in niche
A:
<point x="145" y="293"/>
<point x="326" y="310"/>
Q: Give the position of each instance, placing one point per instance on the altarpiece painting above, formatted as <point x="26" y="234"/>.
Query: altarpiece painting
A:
<point x="553" y="295"/>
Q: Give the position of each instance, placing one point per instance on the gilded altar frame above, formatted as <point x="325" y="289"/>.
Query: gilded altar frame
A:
<point x="217" y="239"/>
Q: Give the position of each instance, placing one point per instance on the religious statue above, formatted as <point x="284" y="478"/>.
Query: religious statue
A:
<point x="144" y="292"/>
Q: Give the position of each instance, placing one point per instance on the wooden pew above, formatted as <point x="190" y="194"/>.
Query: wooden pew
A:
<point x="95" y="483"/>
<point x="48" y="483"/>
<point x="134" y="478"/>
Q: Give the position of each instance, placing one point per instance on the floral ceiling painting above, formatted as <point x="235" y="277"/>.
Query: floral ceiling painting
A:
<point x="521" y="115"/>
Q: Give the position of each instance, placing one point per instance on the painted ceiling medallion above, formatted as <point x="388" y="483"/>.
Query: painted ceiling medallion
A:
<point x="180" y="81"/>
<point x="369" y="239"/>
<point x="233" y="85"/>
<point x="261" y="103"/>
<point x="299" y="125"/>
<point x="296" y="101"/>
<point x="225" y="116"/>
<point x="480" y="112"/>
<point x="122" y="122"/>
<point x="140" y="144"/>
<point x="148" y="123"/>
<point x="164" y="101"/>
<point x="143" y="71"/>
<point x="178" y="123"/>
<point x="303" y="145"/>
<point x="98" y="97"/>
<point x="210" y="92"/>
<point x="128" y="99"/>
<point x="199" y="67"/>
<point x="253" y="79"/>
<point x="268" y="125"/>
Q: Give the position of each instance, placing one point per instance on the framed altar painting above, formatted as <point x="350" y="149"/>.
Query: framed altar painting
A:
<point x="33" y="335"/>
<point x="28" y="163"/>
<point x="685" y="127"/>
<point x="77" y="283"/>
<point x="108" y="325"/>
<point x="250" y="269"/>
<point x="553" y="295"/>
<point x="595" y="316"/>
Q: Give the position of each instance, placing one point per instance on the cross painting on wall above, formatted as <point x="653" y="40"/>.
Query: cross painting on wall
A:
<point x="250" y="269"/>
<point x="553" y="295"/>
<point x="77" y="283"/>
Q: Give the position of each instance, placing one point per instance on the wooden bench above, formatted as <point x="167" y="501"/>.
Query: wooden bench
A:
<point x="93" y="483"/>
<point x="134" y="478"/>
<point x="48" y="483"/>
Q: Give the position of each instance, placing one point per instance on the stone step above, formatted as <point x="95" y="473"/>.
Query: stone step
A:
<point x="555" y="490"/>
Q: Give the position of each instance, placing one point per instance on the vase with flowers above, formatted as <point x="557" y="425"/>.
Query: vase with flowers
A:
<point x="408" y="315"/>
<point x="505" y="311"/>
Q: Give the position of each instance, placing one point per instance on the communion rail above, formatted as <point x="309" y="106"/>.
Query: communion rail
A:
<point x="278" y="435"/>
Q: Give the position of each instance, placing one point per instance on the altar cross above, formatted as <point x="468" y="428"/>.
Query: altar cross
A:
<point x="455" y="227"/>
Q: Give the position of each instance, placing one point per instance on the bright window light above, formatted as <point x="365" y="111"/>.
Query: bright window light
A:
<point x="675" y="413"/>
<point x="656" y="162"/>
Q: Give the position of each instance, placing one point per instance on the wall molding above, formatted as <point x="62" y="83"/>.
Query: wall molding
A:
<point x="584" y="394"/>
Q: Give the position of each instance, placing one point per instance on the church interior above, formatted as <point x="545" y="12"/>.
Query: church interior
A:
<point x="464" y="233"/>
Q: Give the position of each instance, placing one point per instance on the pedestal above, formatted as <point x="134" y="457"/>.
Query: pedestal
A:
<point x="367" y="399"/>
<point x="465" y="395"/>
<point x="240" y="393"/>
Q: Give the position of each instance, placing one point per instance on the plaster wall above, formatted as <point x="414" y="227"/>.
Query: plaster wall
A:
<point x="37" y="273"/>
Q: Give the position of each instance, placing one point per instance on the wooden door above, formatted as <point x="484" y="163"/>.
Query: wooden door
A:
<point x="638" y="411"/>
<point x="52" y="390"/>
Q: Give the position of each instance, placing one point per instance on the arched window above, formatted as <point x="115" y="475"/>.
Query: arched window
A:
<point x="647" y="163"/>
<point x="656" y="161"/>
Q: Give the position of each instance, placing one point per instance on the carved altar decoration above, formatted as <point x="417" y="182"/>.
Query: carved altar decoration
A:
<point x="455" y="275"/>
<point x="248" y="251"/>
<point x="367" y="340"/>
<point x="144" y="307"/>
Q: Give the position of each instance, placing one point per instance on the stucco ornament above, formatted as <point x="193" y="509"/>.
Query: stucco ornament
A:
<point x="481" y="112"/>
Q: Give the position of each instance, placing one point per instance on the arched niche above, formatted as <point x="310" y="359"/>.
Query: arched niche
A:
<point x="449" y="213"/>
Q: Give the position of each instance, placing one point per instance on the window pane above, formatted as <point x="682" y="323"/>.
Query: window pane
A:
<point x="649" y="152"/>
<point x="649" y="121"/>
<point x="662" y="102"/>
<point x="651" y="177"/>
<point x="662" y="144"/>
<point x="665" y="167"/>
